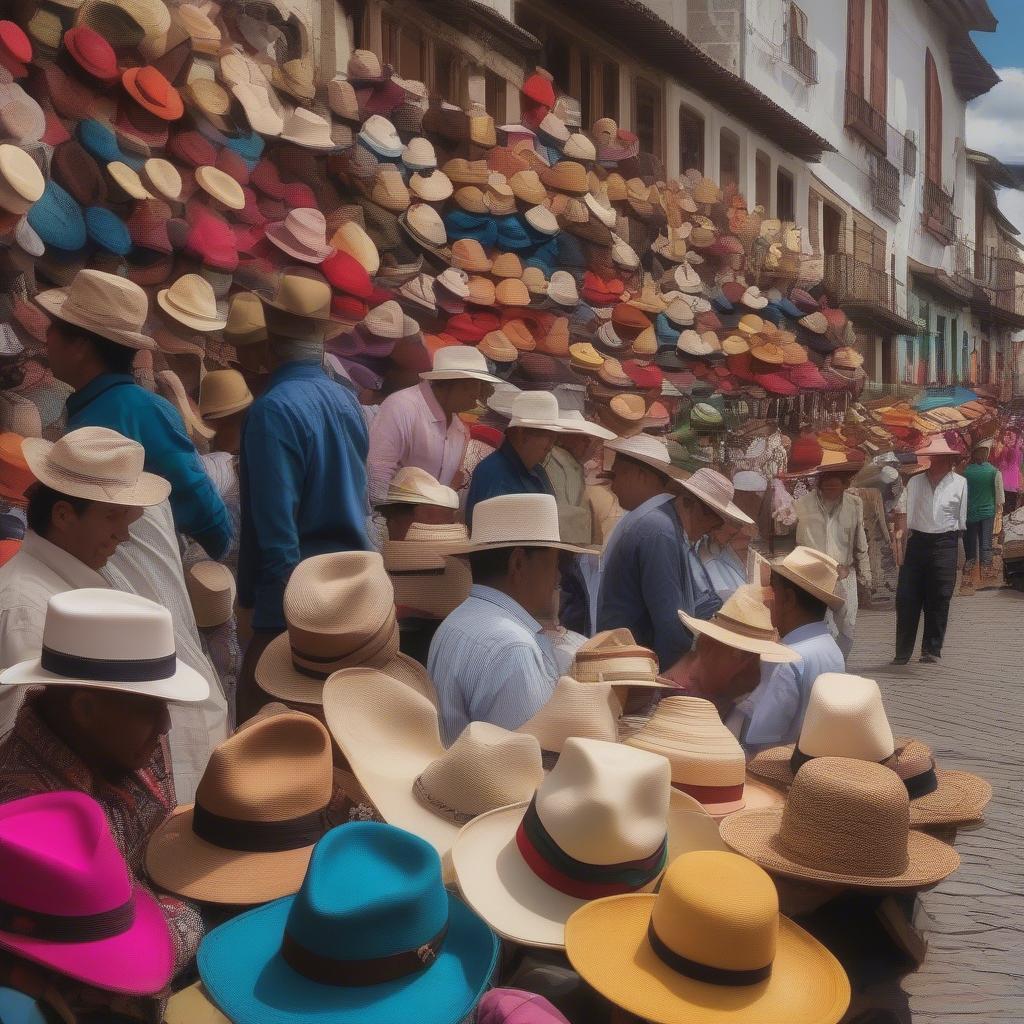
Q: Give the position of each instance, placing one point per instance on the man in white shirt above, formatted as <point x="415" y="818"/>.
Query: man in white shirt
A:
<point x="932" y="514"/>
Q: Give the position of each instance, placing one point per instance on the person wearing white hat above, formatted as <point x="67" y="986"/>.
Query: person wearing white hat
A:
<point x="414" y="496"/>
<point x="421" y="426"/>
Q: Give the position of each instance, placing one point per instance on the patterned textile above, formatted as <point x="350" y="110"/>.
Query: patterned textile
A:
<point x="221" y="646"/>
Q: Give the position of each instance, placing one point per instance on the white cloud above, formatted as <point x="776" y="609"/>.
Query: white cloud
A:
<point x="995" y="124"/>
<point x="1011" y="205"/>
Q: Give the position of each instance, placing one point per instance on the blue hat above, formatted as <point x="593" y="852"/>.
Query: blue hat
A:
<point x="666" y="331"/>
<point x="57" y="219"/>
<point x="570" y="252"/>
<point x="18" y="1008"/>
<point x="98" y="139"/>
<point x="789" y="309"/>
<point x="720" y="303"/>
<point x="772" y="313"/>
<point x="512" y="233"/>
<point x="372" y="906"/>
<point x="107" y="230"/>
<point x="248" y="147"/>
<point x="462" y="224"/>
<point x="545" y="257"/>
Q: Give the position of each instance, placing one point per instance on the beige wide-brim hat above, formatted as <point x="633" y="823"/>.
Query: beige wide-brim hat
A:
<point x="190" y="301"/>
<point x="833" y="600"/>
<point x="220" y="186"/>
<point x="517" y="521"/>
<point x="768" y="650"/>
<point x="193" y="1005"/>
<point x="694" y="484"/>
<point x="80" y="465"/>
<point x="498" y="884"/>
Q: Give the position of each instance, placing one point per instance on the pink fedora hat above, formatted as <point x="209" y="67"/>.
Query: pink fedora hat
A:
<point x="69" y="902"/>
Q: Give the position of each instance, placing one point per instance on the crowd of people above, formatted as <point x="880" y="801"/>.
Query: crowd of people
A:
<point x="429" y="563"/>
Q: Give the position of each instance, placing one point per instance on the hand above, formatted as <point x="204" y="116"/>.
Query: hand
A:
<point x="460" y="480"/>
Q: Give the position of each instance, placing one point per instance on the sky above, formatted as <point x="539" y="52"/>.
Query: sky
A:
<point x="995" y="121"/>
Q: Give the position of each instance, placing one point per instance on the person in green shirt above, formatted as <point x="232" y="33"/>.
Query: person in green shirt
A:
<point x="985" y="497"/>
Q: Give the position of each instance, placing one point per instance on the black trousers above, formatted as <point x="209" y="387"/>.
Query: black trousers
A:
<point x="926" y="584"/>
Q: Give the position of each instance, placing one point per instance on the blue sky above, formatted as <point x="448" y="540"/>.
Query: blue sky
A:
<point x="1003" y="48"/>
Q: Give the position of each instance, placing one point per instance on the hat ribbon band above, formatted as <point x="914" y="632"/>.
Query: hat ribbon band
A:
<point x="922" y="784"/>
<point x="551" y="864"/>
<point x="332" y="662"/>
<point x="138" y="670"/>
<point x="452" y="814"/>
<point x="745" y="629"/>
<point x="37" y="924"/>
<point x="258" y="836"/>
<point x="356" y="973"/>
<point x="704" y="972"/>
<point x="711" y="794"/>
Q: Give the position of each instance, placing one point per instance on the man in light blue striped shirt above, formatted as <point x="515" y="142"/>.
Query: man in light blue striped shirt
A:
<point x="489" y="659"/>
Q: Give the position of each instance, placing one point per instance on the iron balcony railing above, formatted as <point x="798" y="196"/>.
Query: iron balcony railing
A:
<point x="885" y="186"/>
<point x="804" y="59"/>
<point x="853" y="283"/>
<point x="996" y="281"/>
<point x="938" y="218"/>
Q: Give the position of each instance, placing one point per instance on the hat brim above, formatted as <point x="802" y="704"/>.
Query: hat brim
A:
<point x="607" y="945"/>
<point x="577" y="549"/>
<point x="180" y="862"/>
<point x="730" y="511"/>
<point x="305" y="253"/>
<point x="243" y="970"/>
<point x="139" y="961"/>
<point x="55" y="301"/>
<point x="767" y="650"/>
<point x="196" y="323"/>
<point x="499" y="885"/>
<point x="831" y="600"/>
<point x="487" y="378"/>
<point x="754" y="834"/>
<point x="756" y="796"/>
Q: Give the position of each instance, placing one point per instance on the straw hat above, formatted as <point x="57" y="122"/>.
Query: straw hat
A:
<point x="389" y="735"/>
<point x="937" y="445"/>
<point x="246" y="323"/>
<point x="302" y="235"/>
<point x="516" y="520"/>
<point x="295" y="664"/>
<point x="414" y="486"/>
<point x="707" y="760"/>
<point x="813" y="571"/>
<point x="587" y="710"/>
<point x="613" y="656"/>
<point x="459" y="362"/>
<point x="222" y="187"/>
<point x="745" y="623"/>
<point x="434" y="187"/>
<point x="190" y="301"/>
<point x="222" y="393"/>
<point x="526" y="868"/>
<point x="211" y="591"/>
<point x="105" y="304"/>
<point x="21" y="181"/>
<point x="709" y="948"/>
<point x="309" y="130"/>
<point x="260" y="808"/>
<point x="107" y="640"/>
<point x="255" y="102"/>
<point x="97" y="464"/>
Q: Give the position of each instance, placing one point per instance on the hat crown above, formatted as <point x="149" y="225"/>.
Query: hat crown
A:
<point x="605" y="803"/>
<point x="643" y="445"/>
<point x="88" y="877"/>
<point x="302" y="296"/>
<point x="745" y="607"/>
<point x="152" y="84"/>
<point x="847" y="817"/>
<point x="459" y="357"/>
<point x="813" y="566"/>
<point x="194" y="294"/>
<point x="275" y="769"/>
<point x="122" y="303"/>
<point x="411" y="483"/>
<point x="846" y="718"/>
<point x="97" y="455"/>
<point x="516" y="520"/>
<point x="693" y="917"/>
<point x="535" y="405"/>
<point x="371" y="891"/>
<point x="709" y="483"/>
<point x="578" y="709"/>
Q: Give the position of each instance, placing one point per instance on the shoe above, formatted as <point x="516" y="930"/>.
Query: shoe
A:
<point x="929" y="659"/>
<point x="899" y="661"/>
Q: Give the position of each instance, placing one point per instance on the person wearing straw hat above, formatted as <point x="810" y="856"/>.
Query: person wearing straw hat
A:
<point x="985" y="499"/>
<point x="489" y="659"/>
<point x="421" y="426"/>
<point x="414" y="496"/>
<point x="805" y="586"/>
<point x="933" y="508"/>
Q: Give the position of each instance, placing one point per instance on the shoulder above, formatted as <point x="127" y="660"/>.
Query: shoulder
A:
<point x="855" y="499"/>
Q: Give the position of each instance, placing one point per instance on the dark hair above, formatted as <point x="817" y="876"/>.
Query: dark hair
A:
<point x="115" y="358"/>
<point x="806" y="601"/>
<point x="41" y="500"/>
<point x="490" y="565"/>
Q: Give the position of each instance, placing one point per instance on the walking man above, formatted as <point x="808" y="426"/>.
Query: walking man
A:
<point x="985" y="497"/>
<point x="932" y="513"/>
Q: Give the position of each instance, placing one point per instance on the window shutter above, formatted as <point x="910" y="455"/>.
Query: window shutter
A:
<point x="855" y="47"/>
<point x="814" y="222"/>
<point x="879" y="54"/>
<point x="933" y="121"/>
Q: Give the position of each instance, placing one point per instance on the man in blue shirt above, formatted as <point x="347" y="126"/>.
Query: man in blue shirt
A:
<point x="96" y="330"/>
<point x="803" y="590"/>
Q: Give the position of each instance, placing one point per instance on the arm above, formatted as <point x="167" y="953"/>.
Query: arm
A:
<point x="387" y="449"/>
<point x="860" y="547"/>
<point x="1000" y="491"/>
<point x="517" y="686"/>
<point x="963" y="508"/>
<point x="665" y="589"/>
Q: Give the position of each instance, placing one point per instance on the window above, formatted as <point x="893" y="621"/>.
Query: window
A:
<point x="867" y="58"/>
<point x="728" y="159"/>
<point x="933" y="121"/>
<point x="801" y="56"/>
<point x="831" y="229"/>
<point x="610" y="90"/>
<point x="388" y="40"/>
<point x="785" y="204"/>
<point x="402" y="46"/>
<point x="878" y="62"/>
<point x="494" y="86"/>
<point x="449" y="74"/>
<point x="647" y="118"/>
<point x="762" y="179"/>
<point x="691" y="139"/>
<point x="954" y="353"/>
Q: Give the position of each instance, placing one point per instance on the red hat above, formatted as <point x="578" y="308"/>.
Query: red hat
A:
<point x="233" y="165"/>
<point x="807" y="377"/>
<point x="733" y="291"/>
<point x="148" y="87"/>
<point x="598" y="292"/>
<point x="775" y="384"/>
<point x="538" y="88"/>
<point x="92" y="53"/>
<point x="15" y="49"/>
<point x="708" y="321"/>
<point x="147" y="226"/>
<point x="348" y="308"/>
<point x="266" y="177"/>
<point x="298" y="196"/>
<point x="740" y="367"/>
<point x="805" y="454"/>
<point x="251" y="213"/>
<point x="192" y="149"/>
<point x="645" y="376"/>
<point x="433" y="342"/>
<point x="347" y="274"/>
<point x="211" y="240"/>
<point x="470" y="328"/>
<point x="629" y="321"/>
<point x="55" y="133"/>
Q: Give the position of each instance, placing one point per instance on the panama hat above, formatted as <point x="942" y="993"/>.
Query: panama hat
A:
<point x="302" y="235"/>
<point x="938" y="796"/>
<point x="300" y="306"/>
<point x="190" y="301"/>
<point x="97" y="464"/>
<point x="716" y="491"/>
<point x="414" y="486"/>
<point x="709" y="948"/>
<point x="21" y="181"/>
<point x="304" y="128"/>
<point x="605" y="820"/>
<point x="459" y="362"/>
<point x="372" y="937"/>
<point x="744" y="623"/>
<point x="389" y="735"/>
<point x="516" y="520"/>
<point x="586" y="710"/>
<point x="813" y="571"/>
<point x="211" y="592"/>
<point x="260" y="807"/>
<point x="107" y="640"/>
<point x="707" y="760"/>
<point x="845" y="822"/>
<point x="222" y="393"/>
<point x="613" y="656"/>
<point x="537" y="410"/>
<point x="434" y="187"/>
<point x="79" y="913"/>
<point x="296" y="664"/>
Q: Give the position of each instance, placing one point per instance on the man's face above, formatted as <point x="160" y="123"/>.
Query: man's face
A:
<point x="434" y="515"/>
<point x="624" y="476"/>
<point x="62" y="351"/>
<point x="536" y="572"/>
<point x="93" y="534"/>
<point x="832" y="486"/>
<point x="455" y="396"/>
<point x="704" y="520"/>
<point x="533" y="446"/>
<point x="124" y="728"/>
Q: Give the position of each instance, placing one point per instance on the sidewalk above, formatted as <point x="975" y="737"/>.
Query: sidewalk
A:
<point x="970" y="710"/>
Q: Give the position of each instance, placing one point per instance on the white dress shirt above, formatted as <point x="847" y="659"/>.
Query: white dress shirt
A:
<point x="939" y="509"/>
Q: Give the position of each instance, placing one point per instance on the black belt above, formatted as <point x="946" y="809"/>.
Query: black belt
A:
<point x="932" y="537"/>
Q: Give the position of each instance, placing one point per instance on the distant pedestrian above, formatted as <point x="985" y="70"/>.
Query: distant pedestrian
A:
<point x="985" y="497"/>
<point x="1007" y="455"/>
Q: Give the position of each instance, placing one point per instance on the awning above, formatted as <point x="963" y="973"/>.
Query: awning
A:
<point x="938" y="280"/>
<point x="879" y="316"/>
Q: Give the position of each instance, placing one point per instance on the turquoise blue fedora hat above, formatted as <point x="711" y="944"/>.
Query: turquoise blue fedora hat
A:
<point x="249" y="147"/>
<point x="372" y="937"/>
<point x="789" y="309"/>
<point x="666" y="332"/>
<point x="98" y="139"/>
<point x="18" y="1008"/>
<point x="463" y="224"/>
<point x="57" y="219"/>
<point x="512" y="233"/>
<point x="106" y="230"/>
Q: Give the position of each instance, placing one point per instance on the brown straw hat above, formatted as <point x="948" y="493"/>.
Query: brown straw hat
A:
<point x="260" y="808"/>
<point x="845" y="822"/>
<point x="319" y="642"/>
<point x="222" y="393"/>
<point x="390" y="737"/>
<point x="211" y="592"/>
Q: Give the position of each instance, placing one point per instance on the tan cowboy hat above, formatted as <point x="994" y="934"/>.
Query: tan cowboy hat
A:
<point x="110" y="306"/>
<point x="743" y="622"/>
<point x="707" y="760"/>
<point x="426" y="584"/>
<point x="190" y="301"/>
<point x="260" y="808"/>
<point x="517" y="521"/>
<point x="813" y="571"/>
<point x="587" y="710"/>
<point x="318" y="642"/>
<point x="211" y="592"/>
<point x="97" y="464"/>
<point x="845" y="822"/>
<point x="716" y="491"/>
<point x="526" y="868"/>
<point x="222" y="393"/>
<point x="709" y="948"/>
<point x="389" y="734"/>
<point x="414" y="486"/>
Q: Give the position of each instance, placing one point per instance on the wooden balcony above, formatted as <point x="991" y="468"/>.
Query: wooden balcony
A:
<point x="804" y="59"/>
<point x="867" y="122"/>
<point x="938" y="218"/>
<point x="863" y="290"/>
<point x="996" y="284"/>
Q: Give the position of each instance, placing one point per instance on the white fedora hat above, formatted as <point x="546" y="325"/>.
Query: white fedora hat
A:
<point x="813" y="571"/>
<point x="459" y="362"/>
<point x="651" y="451"/>
<point x="414" y="486"/>
<point x="587" y="710"/>
<point x="526" y="868"/>
<point x="716" y="491"/>
<point x="107" y="640"/>
<point x="574" y="422"/>
<point x="97" y="464"/>
<point x="517" y="521"/>
<point x="537" y="410"/>
<point x="390" y="736"/>
<point x="743" y="622"/>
